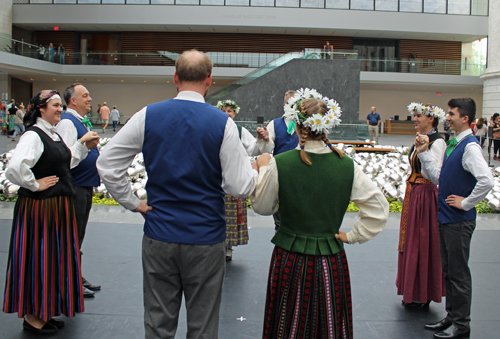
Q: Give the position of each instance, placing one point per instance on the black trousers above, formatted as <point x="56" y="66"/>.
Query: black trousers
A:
<point x="455" y="250"/>
<point x="83" y="204"/>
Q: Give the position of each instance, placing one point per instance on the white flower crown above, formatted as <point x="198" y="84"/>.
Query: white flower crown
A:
<point x="226" y="103"/>
<point x="318" y="123"/>
<point x="428" y="110"/>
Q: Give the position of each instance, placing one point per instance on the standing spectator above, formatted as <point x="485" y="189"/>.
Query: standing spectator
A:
<point x="496" y="137"/>
<point x="373" y="122"/>
<point x="41" y="52"/>
<point x="52" y="52"/>
<point x="447" y="131"/>
<point x="104" y="112"/>
<point x="12" y="102"/>
<point x="11" y="118"/>
<point x="481" y="131"/>
<point x="72" y="127"/>
<point x="464" y="180"/>
<point x="16" y="48"/>
<point x="328" y="49"/>
<point x="61" y="52"/>
<point x="115" y="117"/>
<point x="193" y="155"/>
<point x="19" y="122"/>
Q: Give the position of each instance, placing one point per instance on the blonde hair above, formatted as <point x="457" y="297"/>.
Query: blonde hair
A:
<point x="309" y="107"/>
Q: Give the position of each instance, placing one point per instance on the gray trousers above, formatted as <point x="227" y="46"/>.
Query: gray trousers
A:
<point x="373" y="130"/>
<point x="171" y="270"/>
<point x="455" y="249"/>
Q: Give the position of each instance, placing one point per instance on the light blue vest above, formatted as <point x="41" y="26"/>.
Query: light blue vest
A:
<point x="454" y="179"/>
<point x="182" y="141"/>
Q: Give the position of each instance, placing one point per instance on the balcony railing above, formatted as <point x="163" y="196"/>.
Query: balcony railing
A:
<point x="261" y="62"/>
<point x="461" y="7"/>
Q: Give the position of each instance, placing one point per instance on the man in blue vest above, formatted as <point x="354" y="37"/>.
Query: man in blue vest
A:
<point x="72" y="127"/>
<point x="193" y="156"/>
<point x="464" y="180"/>
<point x="279" y="139"/>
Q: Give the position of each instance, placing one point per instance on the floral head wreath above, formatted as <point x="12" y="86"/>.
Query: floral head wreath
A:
<point x="228" y="103"/>
<point x="318" y="123"/>
<point x="428" y="110"/>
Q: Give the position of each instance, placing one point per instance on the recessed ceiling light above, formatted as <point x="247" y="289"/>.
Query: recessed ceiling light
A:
<point x="121" y="80"/>
<point x="54" y="79"/>
<point x="168" y="81"/>
<point x="32" y="79"/>
<point x="144" y="81"/>
<point x="98" y="80"/>
<point x="214" y="82"/>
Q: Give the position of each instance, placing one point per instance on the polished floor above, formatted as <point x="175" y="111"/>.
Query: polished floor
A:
<point x="112" y="258"/>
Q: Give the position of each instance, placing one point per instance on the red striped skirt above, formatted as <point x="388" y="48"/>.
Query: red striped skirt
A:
<point x="236" y="221"/>
<point x="43" y="270"/>
<point x="308" y="296"/>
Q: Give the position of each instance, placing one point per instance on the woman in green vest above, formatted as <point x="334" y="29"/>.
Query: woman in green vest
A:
<point x="309" y="290"/>
<point x="236" y="209"/>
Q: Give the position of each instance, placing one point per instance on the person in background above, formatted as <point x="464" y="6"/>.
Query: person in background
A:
<point x="104" y="112"/>
<point x="115" y="117"/>
<point x="328" y="49"/>
<point x="62" y="54"/>
<point x="41" y="52"/>
<point x="481" y="131"/>
<point x="19" y="122"/>
<point x="236" y="208"/>
<point x="52" y="52"/>
<point x="43" y="277"/>
<point x="447" y="131"/>
<point x="373" y="121"/>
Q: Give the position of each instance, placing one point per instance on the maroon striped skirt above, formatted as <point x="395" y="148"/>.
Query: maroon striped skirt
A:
<point x="308" y="296"/>
<point x="43" y="270"/>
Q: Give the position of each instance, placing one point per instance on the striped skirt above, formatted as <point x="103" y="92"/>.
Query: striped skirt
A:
<point x="236" y="221"/>
<point x="308" y="296"/>
<point x="43" y="269"/>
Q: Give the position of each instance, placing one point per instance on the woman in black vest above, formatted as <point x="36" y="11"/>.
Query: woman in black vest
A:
<point x="43" y="277"/>
<point x="236" y="208"/>
<point x="420" y="277"/>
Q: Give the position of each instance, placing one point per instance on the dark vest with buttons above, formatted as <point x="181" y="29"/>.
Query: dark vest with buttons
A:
<point x="182" y="141"/>
<point x="85" y="174"/>
<point x="283" y="141"/>
<point x="55" y="160"/>
<point x="455" y="180"/>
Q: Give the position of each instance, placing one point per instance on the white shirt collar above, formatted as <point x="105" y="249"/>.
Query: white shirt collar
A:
<point x="463" y="134"/>
<point x="191" y="96"/>
<point x="75" y="113"/>
<point x="315" y="146"/>
<point x="45" y="126"/>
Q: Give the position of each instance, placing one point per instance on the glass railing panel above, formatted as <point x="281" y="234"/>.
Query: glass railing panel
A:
<point x="386" y="5"/>
<point x="187" y="2"/>
<point x="86" y="2"/>
<point x="312" y="4"/>
<point x="287" y="3"/>
<point x="212" y="2"/>
<point x="362" y="4"/>
<point x="162" y="2"/>
<point x="410" y="6"/>
<point x="263" y="3"/>
<point x="65" y="1"/>
<point x="459" y="7"/>
<point x="480" y="7"/>
<point x="435" y="6"/>
<point x="114" y="2"/>
<point x="337" y="4"/>
<point x="237" y="2"/>
<point x="40" y="1"/>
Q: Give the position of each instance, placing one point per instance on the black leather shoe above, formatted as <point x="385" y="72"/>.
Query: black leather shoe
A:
<point x="440" y="325"/>
<point x="56" y="322"/>
<point x="453" y="332"/>
<point x="46" y="329"/>
<point x="88" y="293"/>
<point x="90" y="286"/>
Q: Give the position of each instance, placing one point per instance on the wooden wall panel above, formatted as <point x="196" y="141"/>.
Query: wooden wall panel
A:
<point x="56" y="37"/>
<point x="428" y="51"/>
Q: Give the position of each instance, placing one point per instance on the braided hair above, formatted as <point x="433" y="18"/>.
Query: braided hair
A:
<point x="309" y="107"/>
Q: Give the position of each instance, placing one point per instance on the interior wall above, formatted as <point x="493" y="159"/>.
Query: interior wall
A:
<point x="129" y="98"/>
<point x="390" y="103"/>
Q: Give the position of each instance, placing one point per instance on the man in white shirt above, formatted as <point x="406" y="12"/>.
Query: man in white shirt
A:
<point x="73" y="126"/>
<point x="193" y="155"/>
<point x="464" y="180"/>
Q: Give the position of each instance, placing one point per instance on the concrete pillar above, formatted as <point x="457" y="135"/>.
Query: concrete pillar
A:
<point x="5" y="23"/>
<point x="491" y="86"/>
